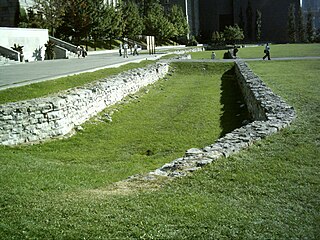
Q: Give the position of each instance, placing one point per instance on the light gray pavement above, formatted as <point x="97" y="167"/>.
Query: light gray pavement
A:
<point x="25" y="73"/>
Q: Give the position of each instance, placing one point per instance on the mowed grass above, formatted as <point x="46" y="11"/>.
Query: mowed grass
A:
<point x="60" y="190"/>
<point x="282" y="50"/>
<point x="277" y="50"/>
<point x="56" y="189"/>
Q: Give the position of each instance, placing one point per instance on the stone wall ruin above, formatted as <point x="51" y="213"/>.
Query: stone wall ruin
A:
<point x="44" y="118"/>
<point x="55" y="116"/>
<point x="269" y="112"/>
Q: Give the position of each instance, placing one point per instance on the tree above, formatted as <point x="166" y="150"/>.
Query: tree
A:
<point x="249" y="13"/>
<point x="300" y="26"/>
<point x="77" y="21"/>
<point x="145" y="6"/>
<point x="218" y="38"/>
<point x="158" y="25"/>
<point x="52" y="12"/>
<point x="29" y="19"/>
<point x="179" y="21"/>
<point x="107" y="24"/>
<point x="292" y="23"/>
<point x="233" y="34"/>
<point x="258" y="25"/>
<point x="132" y="21"/>
<point x="310" y="29"/>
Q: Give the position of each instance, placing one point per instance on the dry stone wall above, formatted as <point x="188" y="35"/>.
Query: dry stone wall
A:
<point x="55" y="116"/>
<point x="269" y="112"/>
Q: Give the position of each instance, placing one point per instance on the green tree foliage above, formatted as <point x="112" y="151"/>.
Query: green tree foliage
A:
<point x="132" y="21"/>
<point x="157" y="24"/>
<point x="107" y="23"/>
<point x="52" y="12"/>
<point x="258" y="25"/>
<point x="233" y="34"/>
<point x="310" y="28"/>
<point x="144" y="6"/>
<point x="217" y="38"/>
<point x="300" y="26"/>
<point x="79" y="18"/>
<point x="30" y="19"/>
<point x="177" y="18"/>
<point x="292" y="23"/>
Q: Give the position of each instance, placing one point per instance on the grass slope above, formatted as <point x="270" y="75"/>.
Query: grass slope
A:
<point x="42" y="186"/>
<point x="270" y="191"/>
<point x="277" y="50"/>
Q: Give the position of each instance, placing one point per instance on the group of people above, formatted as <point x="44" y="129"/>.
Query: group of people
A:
<point x="235" y="51"/>
<point x="125" y="48"/>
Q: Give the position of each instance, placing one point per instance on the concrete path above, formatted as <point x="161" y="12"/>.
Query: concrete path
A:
<point x="23" y="74"/>
<point x="26" y="73"/>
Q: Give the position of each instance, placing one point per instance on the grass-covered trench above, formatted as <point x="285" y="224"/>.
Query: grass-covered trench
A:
<point x="192" y="108"/>
<point x="60" y="189"/>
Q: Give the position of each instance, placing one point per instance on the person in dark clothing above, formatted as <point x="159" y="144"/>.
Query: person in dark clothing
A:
<point x="267" y="52"/>
<point x="235" y="50"/>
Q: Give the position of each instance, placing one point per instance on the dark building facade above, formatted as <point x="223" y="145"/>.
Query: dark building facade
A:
<point x="9" y="13"/>
<point x="207" y="16"/>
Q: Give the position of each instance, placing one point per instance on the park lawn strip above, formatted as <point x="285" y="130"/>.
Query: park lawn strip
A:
<point x="282" y="50"/>
<point x="45" y="88"/>
<point x="146" y="132"/>
<point x="277" y="50"/>
<point x="208" y="54"/>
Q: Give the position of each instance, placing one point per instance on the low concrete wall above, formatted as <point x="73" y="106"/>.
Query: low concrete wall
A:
<point x="270" y="114"/>
<point x="44" y="118"/>
<point x="33" y="41"/>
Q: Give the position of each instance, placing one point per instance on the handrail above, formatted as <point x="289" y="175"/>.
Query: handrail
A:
<point x="10" y="53"/>
<point x="61" y="43"/>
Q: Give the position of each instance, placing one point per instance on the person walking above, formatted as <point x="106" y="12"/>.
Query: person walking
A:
<point x="120" y="49"/>
<point x="235" y="50"/>
<point x="83" y="51"/>
<point x="267" y="52"/>
<point x="79" y="53"/>
<point x="125" y="50"/>
<point x="135" y="49"/>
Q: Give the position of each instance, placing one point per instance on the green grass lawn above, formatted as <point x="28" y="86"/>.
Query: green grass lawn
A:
<point x="177" y="114"/>
<point x="61" y="189"/>
<point x="207" y="54"/>
<point x="277" y="50"/>
<point x="282" y="50"/>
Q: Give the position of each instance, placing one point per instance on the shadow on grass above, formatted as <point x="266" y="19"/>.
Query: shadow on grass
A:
<point x="235" y="113"/>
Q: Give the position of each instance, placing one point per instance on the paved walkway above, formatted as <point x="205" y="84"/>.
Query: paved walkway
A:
<point x="22" y="74"/>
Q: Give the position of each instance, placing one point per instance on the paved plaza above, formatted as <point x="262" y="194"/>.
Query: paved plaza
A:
<point x="20" y="74"/>
<point x="25" y="73"/>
